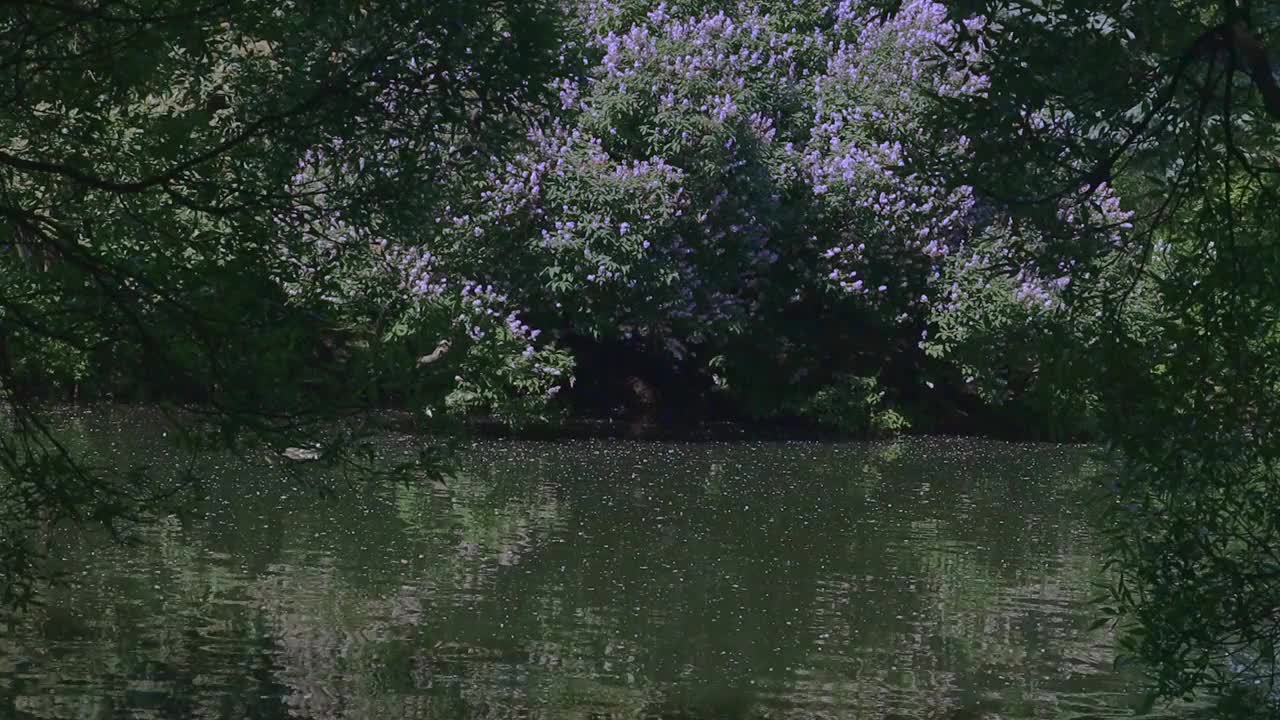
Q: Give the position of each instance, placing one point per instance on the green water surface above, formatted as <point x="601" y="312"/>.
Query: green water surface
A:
<point x="606" y="579"/>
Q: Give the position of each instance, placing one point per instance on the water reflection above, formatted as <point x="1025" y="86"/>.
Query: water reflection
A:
<point x="926" y="579"/>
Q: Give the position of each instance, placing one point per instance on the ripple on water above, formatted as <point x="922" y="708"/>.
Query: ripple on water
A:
<point x="925" y="580"/>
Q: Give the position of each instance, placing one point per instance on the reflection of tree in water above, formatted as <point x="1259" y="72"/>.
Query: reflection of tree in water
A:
<point x="156" y="630"/>
<point x="617" y="580"/>
<point x="335" y="660"/>
<point x="962" y="582"/>
<point x="806" y="525"/>
<point x="350" y="643"/>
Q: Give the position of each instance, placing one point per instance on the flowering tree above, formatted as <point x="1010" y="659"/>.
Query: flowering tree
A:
<point x="715" y="166"/>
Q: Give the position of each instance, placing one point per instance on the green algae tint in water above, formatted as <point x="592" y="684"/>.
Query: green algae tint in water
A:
<point x="923" y="579"/>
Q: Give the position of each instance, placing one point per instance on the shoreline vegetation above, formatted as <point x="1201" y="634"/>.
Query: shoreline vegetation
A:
<point x="670" y="426"/>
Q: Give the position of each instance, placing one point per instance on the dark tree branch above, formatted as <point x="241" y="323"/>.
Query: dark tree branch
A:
<point x="1258" y="65"/>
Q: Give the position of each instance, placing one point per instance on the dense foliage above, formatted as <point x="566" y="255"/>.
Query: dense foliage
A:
<point x="757" y="193"/>
<point x="753" y="198"/>
<point x="1177" y="104"/>
<point x="206" y="211"/>
<point x="1049" y="218"/>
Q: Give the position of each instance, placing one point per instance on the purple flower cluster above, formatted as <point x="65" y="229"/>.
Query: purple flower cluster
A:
<point x="480" y="308"/>
<point x="664" y="185"/>
<point x="1096" y="213"/>
<point x="868" y="101"/>
<point x="892" y="56"/>
<point x="709" y="155"/>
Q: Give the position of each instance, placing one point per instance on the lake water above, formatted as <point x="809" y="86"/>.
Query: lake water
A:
<point x="925" y="579"/>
